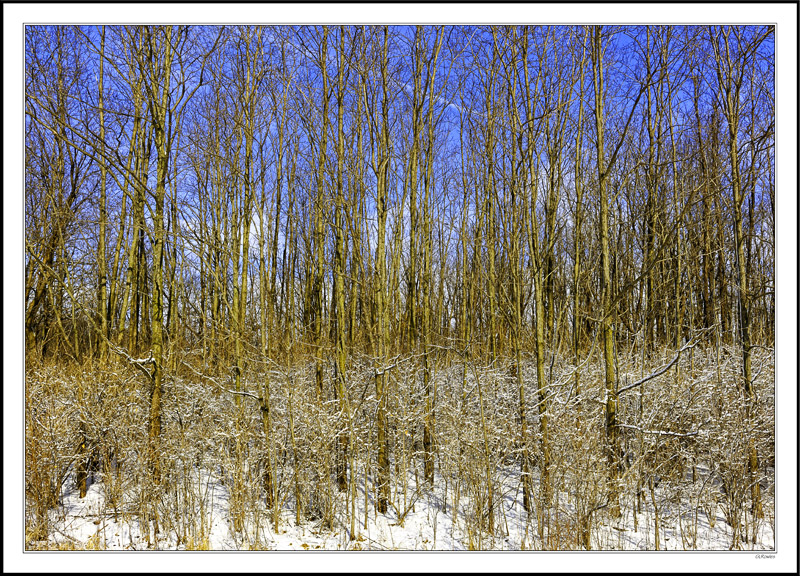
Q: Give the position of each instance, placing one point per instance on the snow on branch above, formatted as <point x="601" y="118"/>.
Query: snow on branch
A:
<point x="660" y="432"/>
<point x="660" y="371"/>
<point x="221" y="386"/>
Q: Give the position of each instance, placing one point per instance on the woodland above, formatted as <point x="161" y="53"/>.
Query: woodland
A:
<point x="399" y="287"/>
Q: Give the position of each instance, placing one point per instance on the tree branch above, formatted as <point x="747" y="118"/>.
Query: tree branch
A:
<point x="659" y="372"/>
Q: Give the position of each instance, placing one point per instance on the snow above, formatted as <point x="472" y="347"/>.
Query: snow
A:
<point x="427" y="522"/>
<point x="197" y="501"/>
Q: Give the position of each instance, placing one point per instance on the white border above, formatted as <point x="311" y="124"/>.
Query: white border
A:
<point x="784" y="15"/>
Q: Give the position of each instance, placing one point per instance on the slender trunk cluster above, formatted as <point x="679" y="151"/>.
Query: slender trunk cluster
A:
<point x="325" y="224"/>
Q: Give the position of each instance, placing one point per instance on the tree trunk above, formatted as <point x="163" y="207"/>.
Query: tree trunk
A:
<point x="611" y="430"/>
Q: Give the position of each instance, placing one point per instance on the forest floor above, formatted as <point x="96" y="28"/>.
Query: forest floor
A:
<point x="424" y="520"/>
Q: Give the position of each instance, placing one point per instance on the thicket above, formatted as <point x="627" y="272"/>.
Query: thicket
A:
<point x="382" y="263"/>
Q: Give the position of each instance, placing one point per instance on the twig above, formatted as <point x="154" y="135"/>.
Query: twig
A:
<point x="660" y="432"/>
<point x="659" y="372"/>
<point x="220" y="386"/>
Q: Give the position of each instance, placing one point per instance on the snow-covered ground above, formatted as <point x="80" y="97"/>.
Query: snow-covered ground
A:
<point x="422" y="520"/>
